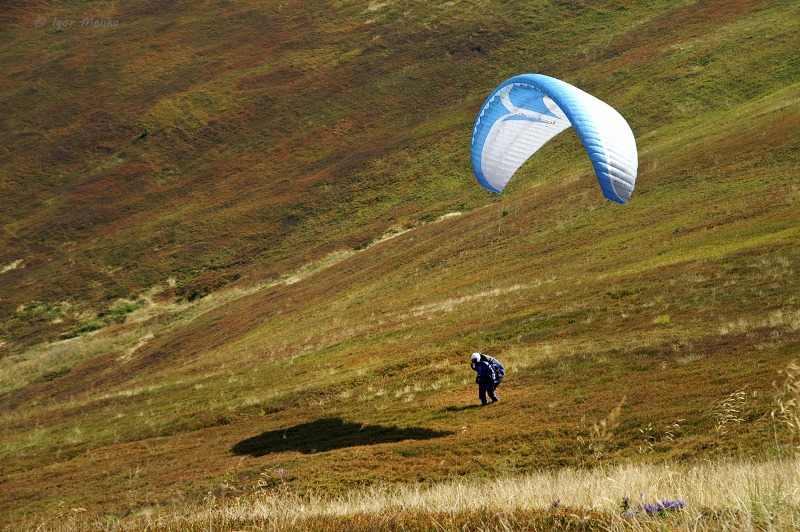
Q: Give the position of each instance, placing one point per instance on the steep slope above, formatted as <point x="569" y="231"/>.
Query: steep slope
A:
<point x="202" y="143"/>
<point x="281" y="143"/>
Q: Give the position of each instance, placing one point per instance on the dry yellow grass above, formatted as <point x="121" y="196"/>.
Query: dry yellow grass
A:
<point x="725" y="495"/>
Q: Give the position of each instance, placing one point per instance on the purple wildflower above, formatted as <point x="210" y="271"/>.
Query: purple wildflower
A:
<point x="673" y="505"/>
<point x="657" y="508"/>
<point x="653" y="508"/>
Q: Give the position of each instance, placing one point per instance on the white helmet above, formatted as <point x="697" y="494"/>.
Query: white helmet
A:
<point x="476" y="357"/>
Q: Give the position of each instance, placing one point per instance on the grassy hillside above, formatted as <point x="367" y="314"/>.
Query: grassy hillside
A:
<point x="243" y="238"/>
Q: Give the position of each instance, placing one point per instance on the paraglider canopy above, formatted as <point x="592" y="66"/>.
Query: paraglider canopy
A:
<point x="526" y="111"/>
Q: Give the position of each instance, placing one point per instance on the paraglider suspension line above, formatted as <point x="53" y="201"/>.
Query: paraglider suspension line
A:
<point x="489" y="277"/>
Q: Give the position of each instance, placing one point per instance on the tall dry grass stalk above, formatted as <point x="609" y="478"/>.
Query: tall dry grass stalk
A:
<point x="732" y="495"/>
<point x="787" y="400"/>
<point x="728" y="413"/>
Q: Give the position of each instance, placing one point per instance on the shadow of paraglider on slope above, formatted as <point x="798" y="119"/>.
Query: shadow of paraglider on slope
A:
<point x="328" y="434"/>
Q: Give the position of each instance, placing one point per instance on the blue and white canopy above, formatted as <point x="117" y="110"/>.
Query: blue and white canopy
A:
<point x="526" y="111"/>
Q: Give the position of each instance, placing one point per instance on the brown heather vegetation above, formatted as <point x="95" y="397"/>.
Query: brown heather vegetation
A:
<point x="243" y="238"/>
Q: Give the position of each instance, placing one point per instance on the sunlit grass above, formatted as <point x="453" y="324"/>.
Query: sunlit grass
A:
<point x="737" y="494"/>
<point x="295" y="157"/>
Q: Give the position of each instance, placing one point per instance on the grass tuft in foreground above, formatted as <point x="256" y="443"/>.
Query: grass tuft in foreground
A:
<point x="705" y="496"/>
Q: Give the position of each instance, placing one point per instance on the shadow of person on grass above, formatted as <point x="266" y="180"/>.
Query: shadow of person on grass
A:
<point x="328" y="434"/>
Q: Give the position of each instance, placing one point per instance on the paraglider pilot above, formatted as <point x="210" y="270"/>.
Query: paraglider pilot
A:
<point x="490" y="374"/>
